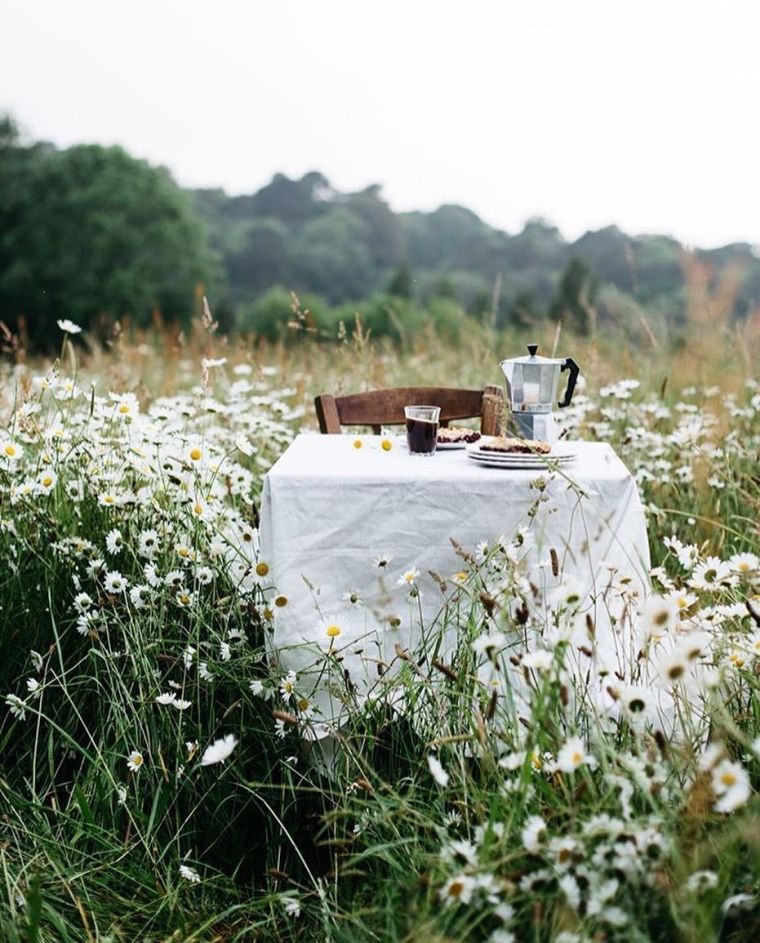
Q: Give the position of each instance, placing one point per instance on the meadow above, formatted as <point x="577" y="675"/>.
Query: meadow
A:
<point x="158" y="779"/>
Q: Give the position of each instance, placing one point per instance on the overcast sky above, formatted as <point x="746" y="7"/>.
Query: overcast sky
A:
<point x="588" y="112"/>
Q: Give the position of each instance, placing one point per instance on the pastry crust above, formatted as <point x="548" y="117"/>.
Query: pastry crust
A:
<point x="457" y="434"/>
<point x="516" y="446"/>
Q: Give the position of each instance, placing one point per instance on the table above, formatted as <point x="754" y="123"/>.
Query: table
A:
<point x="341" y="525"/>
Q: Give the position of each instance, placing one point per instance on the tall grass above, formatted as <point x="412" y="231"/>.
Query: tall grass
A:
<point x="442" y="807"/>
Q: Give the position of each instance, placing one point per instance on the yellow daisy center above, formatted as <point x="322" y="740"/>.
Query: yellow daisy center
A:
<point x="262" y="569"/>
<point x="196" y="454"/>
<point x="333" y="631"/>
<point x="386" y="445"/>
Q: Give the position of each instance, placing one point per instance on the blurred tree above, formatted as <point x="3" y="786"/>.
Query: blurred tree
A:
<point x="400" y="284"/>
<point x="523" y="311"/>
<point x="262" y="258"/>
<point x="574" y="300"/>
<point x="90" y="231"/>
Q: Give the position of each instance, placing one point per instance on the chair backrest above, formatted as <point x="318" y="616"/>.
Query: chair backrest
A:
<point x="386" y="407"/>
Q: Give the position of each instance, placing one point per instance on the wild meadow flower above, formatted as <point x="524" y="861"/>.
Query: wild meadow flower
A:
<point x="540" y="660"/>
<point x="382" y="560"/>
<point x="10" y="451"/>
<point x="68" y="327"/>
<point x="657" y="617"/>
<point x="572" y="755"/>
<point x="114" y="582"/>
<point x="244" y="445"/>
<point x="700" y="882"/>
<point x="148" y="543"/>
<point x="83" y="602"/>
<point x="731" y="785"/>
<point x="204" y="673"/>
<point x="126" y="405"/>
<point x="219" y="750"/>
<point x="408" y="577"/>
<point x="712" y="573"/>
<point x="292" y="906"/>
<point x="458" y="890"/>
<point x="140" y="596"/>
<point x="534" y="834"/>
<point x="672" y="666"/>
<point x="135" y="761"/>
<point x="114" y="541"/>
<point x="437" y="771"/>
<point x="46" y="481"/>
<point x="288" y="685"/>
<point x="16" y="706"/>
<point x="189" y="874"/>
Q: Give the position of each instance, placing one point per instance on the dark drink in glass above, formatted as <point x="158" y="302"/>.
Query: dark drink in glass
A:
<point x="422" y="428"/>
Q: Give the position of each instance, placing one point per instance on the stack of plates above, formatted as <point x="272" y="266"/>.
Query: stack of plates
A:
<point x="559" y="455"/>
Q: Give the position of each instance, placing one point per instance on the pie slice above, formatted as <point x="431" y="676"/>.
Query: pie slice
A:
<point x="509" y="446"/>
<point x="452" y="434"/>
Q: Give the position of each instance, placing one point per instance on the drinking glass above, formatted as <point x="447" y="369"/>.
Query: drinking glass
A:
<point x="422" y="428"/>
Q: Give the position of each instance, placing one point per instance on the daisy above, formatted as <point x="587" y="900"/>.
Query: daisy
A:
<point x="114" y="541"/>
<point x="126" y="405"/>
<point x="292" y="907"/>
<point x="409" y="577"/>
<point x="658" y="617"/>
<point x="744" y="563"/>
<point x="219" y="750"/>
<point x="114" y="583"/>
<point x="702" y="881"/>
<point x="203" y="671"/>
<point x="458" y="890"/>
<point x="437" y="771"/>
<point x="68" y="327"/>
<point x="573" y="755"/>
<point x="731" y="784"/>
<point x="83" y="602"/>
<point x="714" y="573"/>
<point x="135" y="761"/>
<point x="672" y="666"/>
<point x="189" y="874"/>
<point x="244" y="445"/>
<point x="195" y="453"/>
<point x="11" y="451"/>
<point x="636" y="701"/>
<point x="139" y="596"/>
<point x="382" y="560"/>
<point x="16" y="706"/>
<point x="534" y="834"/>
<point x="47" y="480"/>
<point x="165" y="699"/>
<point x="288" y="685"/>
<point x="148" y="544"/>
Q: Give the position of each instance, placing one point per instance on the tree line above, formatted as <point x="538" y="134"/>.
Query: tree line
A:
<point x="92" y="234"/>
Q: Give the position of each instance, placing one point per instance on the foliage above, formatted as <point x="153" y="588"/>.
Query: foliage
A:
<point x="88" y="233"/>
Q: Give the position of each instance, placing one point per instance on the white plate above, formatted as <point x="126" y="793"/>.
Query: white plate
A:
<point x="520" y="459"/>
<point x="524" y="466"/>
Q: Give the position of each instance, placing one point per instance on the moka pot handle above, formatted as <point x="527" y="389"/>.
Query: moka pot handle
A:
<point x="574" y="369"/>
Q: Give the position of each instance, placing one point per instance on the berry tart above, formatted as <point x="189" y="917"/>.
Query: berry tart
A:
<point x="516" y="446"/>
<point x="456" y="437"/>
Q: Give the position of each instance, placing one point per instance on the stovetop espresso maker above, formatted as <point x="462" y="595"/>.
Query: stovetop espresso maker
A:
<point x="532" y="390"/>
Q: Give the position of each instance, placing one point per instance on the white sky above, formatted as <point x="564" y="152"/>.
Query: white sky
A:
<point x="642" y="113"/>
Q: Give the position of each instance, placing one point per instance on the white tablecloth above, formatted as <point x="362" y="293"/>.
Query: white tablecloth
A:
<point x="330" y="509"/>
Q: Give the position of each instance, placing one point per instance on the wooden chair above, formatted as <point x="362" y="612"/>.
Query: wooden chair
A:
<point x="386" y="407"/>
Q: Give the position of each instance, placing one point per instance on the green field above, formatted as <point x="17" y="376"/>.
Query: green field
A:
<point x="134" y="613"/>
